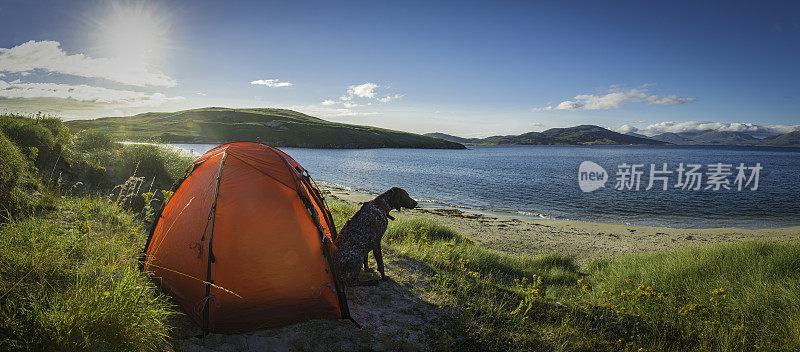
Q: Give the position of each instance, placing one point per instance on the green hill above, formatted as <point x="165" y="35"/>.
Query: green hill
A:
<point x="277" y="127"/>
<point x="578" y="135"/>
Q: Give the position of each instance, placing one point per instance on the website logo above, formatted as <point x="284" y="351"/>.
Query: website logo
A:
<point x="591" y="176"/>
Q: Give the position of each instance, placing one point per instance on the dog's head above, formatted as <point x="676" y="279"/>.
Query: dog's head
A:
<point x="399" y="198"/>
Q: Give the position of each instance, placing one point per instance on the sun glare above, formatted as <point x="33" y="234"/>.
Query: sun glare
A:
<point x="133" y="32"/>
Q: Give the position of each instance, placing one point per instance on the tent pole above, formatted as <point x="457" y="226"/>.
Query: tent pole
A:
<point x="326" y="251"/>
<point x="211" y="259"/>
<point x="152" y="231"/>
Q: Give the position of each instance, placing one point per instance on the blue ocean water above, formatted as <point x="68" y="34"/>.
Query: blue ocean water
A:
<point x="543" y="181"/>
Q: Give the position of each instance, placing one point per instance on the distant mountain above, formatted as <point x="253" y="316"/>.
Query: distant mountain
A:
<point x="707" y="138"/>
<point x="672" y="138"/>
<point x="636" y="135"/>
<point x="277" y="127"/>
<point x="450" y="137"/>
<point x="578" y="135"/>
<point x="791" y="139"/>
<point x="725" y="138"/>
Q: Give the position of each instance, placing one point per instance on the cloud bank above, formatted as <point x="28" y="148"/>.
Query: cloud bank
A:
<point x="615" y="98"/>
<point x="48" y="56"/>
<point x="87" y="96"/>
<point x="705" y="126"/>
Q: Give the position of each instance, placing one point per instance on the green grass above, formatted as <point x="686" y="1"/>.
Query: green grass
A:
<point x="730" y="297"/>
<point x="277" y="127"/>
<point x="742" y="296"/>
<point x="69" y="282"/>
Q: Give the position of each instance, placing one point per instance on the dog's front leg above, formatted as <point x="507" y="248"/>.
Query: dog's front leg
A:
<point x="367" y="269"/>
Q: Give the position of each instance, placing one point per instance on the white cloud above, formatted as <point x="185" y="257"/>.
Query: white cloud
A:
<point x="48" y="56"/>
<point x="389" y="98"/>
<point x="346" y="103"/>
<point x="322" y="111"/>
<point x="361" y="95"/>
<point x="705" y="126"/>
<point x="274" y="83"/>
<point x="627" y="129"/>
<point x="615" y="98"/>
<point x="99" y="96"/>
<point x="366" y="90"/>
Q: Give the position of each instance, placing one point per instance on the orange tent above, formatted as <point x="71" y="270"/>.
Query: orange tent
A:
<point x="245" y="243"/>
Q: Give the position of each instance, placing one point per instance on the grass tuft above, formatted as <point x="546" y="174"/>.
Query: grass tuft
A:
<point x="69" y="282"/>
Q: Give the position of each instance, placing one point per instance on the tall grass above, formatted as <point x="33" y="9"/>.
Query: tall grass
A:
<point x="69" y="282"/>
<point x="742" y="296"/>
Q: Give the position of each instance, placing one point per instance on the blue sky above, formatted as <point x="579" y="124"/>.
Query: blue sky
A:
<point x="466" y="68"/>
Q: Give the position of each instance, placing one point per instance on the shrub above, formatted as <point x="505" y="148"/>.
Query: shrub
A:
<point x="12" y="167"/>
<point x="46" y="134"/>
<point x="94" y="140"/>
<point x="149" y="162"/>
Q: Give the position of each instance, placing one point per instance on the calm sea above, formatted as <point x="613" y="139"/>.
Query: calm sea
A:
<point x="542" y="181"/>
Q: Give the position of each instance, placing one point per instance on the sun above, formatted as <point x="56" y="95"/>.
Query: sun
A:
<point x="133" y="32"/>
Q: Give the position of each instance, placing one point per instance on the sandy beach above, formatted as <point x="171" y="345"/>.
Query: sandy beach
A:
<point x="581" y="239"/>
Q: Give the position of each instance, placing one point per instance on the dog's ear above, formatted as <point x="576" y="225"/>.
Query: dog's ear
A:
<point x="395" y="199"/>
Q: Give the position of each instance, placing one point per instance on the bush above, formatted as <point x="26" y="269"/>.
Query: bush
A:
<point x="94" y="140"/>
<point x="12" y="167"/>
<point x="46" y="134"/>
<point x="150" y="161"/>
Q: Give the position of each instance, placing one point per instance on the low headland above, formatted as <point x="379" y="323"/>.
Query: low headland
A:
<point x="77" y="206"/>
<point x="276" y="127"/>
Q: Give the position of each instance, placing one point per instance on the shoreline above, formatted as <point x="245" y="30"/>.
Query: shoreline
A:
<point x="583" y="240"/>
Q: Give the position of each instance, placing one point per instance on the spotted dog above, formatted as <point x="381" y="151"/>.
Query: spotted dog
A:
<point x="362" y="233"/>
